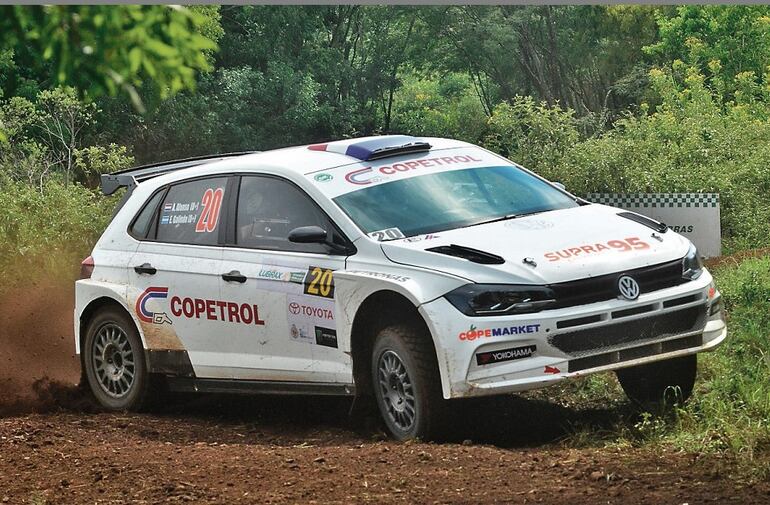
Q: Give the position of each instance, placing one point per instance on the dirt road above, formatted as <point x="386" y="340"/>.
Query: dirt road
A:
<point x="55" y="447"/>
<point x="246" y="450"/>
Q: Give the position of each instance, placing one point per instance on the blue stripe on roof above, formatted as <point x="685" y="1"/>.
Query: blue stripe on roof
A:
<point x="362" y="150"/>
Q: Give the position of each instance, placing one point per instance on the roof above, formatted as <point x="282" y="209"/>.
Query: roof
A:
<point x="300" y="160"/>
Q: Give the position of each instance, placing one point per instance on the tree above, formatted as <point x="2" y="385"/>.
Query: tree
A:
<point x="103" y="49"/>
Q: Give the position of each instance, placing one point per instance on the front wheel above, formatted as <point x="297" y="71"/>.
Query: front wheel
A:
<point x="661" y="382"/>
<point x="113" y="358"/>
<point x="406" y="383"/>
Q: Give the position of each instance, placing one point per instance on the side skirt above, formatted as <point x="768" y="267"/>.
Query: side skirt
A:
<point x="194" y="385"/>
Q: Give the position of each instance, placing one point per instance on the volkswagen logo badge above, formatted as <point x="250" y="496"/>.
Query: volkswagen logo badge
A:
<point x="628" y="287"/>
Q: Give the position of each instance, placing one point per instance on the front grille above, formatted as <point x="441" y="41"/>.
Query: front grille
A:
<point x="604" y="338"/>
<point x="605" y="287"/>
<point x="643" y="351"/>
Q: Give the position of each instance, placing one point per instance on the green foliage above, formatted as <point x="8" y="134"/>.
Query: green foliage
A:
<point x="102" y="49"/>
<point x="47" y="232"/>
<point x="531" y="133"/>
<point x="447" y="106"/>
<point x="721" y="41"/>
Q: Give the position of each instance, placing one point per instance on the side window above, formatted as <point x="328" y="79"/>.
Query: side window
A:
<point x="192" y="211"/>
<point x="269" y="208"/>
<point x="143" y="221"/>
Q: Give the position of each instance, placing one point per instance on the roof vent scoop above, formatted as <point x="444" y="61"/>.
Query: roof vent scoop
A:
<point x="468" y="253"/>
<point x="375" y="148"/>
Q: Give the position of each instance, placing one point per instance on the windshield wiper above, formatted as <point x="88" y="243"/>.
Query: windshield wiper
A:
<point x="507" y="217"/>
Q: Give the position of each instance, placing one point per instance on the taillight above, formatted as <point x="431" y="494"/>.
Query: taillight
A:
<point x="87" y="268"/>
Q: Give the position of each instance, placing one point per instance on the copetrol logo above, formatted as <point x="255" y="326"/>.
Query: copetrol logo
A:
<point x="362" y="175"/>
<point x="473" y="333"/>
<point x="323" y="177"/>
<point x="143" y="313"/>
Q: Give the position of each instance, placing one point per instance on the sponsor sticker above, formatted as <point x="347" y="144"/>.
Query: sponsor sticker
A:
<point x="625" y="245"/>
<point x="306" y="313"/>
<point x="323" y="177"/>
<point x="300" y="332"/>
<point x="212" y="204"/>
<point x="474" y="333"/>
<point x="216" y="310"/>
<point x="326" y="337"/>
<point x="369" y="175"/>
<point x="418" y="238"/>
<point x="144" y="313"/>
<point x="387" y="234"/>
<point x="319" y="282"/>
<point x="381" y="275"/>
<point x="490" y="357"/>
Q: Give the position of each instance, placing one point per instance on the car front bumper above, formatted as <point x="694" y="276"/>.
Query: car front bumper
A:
<point x="494" y="355"/>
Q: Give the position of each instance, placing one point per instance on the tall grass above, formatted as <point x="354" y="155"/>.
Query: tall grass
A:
<point x="729" y="412"/>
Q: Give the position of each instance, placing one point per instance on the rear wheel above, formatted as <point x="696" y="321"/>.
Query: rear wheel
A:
<point x="660" y="383"/>
<point x="114" y="361"/>
<point x="406" y="383"/>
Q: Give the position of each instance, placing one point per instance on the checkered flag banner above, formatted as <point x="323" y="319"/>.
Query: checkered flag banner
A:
<point x="668" y="200"/>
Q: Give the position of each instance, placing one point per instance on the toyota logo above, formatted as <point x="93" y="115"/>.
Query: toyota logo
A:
<point x="628" y="287"/>
<point x="294" y="308"/>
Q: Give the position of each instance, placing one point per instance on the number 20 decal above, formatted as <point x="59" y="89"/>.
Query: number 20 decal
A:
<point x="319" y="282"/>
<point x="212" y="203"/>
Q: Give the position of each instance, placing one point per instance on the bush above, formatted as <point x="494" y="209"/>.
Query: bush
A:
<point x="692" y="142"/>
<point x="48" y="233"/>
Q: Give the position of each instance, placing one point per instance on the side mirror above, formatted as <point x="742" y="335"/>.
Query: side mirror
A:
<point x="559" y="185"/>
<point x="308" y="235"/>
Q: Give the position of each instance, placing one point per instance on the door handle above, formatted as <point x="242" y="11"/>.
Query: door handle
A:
<point x="145" y="268"/>
<point x="234" y="276"/>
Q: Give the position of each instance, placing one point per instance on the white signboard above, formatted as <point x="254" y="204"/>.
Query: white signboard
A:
<point x="693" y="215"/>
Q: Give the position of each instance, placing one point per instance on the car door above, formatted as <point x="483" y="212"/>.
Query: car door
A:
<point x="290" y="285"/>
<point x="174" y="276"/>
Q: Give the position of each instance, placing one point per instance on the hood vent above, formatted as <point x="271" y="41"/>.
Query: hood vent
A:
<point x="468" y="253"/>
<point x="646" y="221"/>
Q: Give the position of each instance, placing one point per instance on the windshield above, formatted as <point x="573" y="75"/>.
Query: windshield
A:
<point x="451" y="199"/>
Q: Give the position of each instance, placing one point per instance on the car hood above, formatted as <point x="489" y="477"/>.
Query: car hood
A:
<point x="564" y="245"/>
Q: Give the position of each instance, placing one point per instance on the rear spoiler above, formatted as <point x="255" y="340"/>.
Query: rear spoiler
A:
<point x="130" y="177"/>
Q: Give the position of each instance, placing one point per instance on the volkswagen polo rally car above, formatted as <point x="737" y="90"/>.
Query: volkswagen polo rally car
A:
<point x="408" y="270"/>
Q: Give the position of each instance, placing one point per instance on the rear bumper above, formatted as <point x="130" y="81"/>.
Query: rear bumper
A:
<point x="486" y="356"/>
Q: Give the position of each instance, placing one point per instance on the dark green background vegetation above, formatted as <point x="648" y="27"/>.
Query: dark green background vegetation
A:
<point x="602" y="98"/>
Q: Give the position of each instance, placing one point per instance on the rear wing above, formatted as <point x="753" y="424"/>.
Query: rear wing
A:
<point x="130" y="177"/>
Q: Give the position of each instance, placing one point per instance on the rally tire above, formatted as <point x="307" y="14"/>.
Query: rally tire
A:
<point x="404" y="350"/>
<point x="661" y="383"/>
<point x="114" y="362"/>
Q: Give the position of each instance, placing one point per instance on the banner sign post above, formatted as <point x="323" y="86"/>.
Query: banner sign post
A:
<point x="693" y="215"/>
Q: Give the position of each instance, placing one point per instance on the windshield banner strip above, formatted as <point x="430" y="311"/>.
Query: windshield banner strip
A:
<point x="350" y="178"/>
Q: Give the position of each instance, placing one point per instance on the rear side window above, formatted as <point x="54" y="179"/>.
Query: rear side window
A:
<point x="143" y="221"/>
<point x="191" y="212"/>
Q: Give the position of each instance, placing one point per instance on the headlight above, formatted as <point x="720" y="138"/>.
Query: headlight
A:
<point x="500" y="299"/>
<point x="691" y="264"/>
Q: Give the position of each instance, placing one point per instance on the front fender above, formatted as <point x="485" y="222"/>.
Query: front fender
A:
<point x="353" y="287"/>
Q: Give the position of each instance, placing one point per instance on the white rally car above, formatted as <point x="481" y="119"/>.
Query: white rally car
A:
<point x="408" y="270"/>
